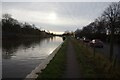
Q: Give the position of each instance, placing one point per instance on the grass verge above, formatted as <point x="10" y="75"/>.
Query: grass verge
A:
<point x="94" y="66"/>
<point x="56" y="67"/>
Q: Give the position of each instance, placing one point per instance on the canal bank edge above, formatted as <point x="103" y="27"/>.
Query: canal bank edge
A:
<point x="43" y="65"/>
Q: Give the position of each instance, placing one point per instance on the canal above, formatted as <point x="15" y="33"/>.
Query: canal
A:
<point x="20" y="57"/>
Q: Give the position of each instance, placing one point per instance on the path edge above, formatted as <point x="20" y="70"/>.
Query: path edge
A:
<point x="42" y="65"/>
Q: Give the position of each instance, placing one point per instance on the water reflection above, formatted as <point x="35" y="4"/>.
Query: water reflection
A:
<point x="10" y="47"/>
<point x="20" y="57"/>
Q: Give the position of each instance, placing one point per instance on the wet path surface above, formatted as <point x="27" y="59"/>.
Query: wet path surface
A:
<point x="72" y="66"/>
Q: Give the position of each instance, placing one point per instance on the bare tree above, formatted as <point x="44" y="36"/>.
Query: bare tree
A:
<point x="111" y="15"/>
<point x="6" y="16"/>
<point x="100" y="25"/>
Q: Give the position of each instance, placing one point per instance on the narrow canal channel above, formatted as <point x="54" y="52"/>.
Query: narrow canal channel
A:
<point x="19" y="58"/>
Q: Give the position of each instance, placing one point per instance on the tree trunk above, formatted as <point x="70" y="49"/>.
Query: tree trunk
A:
<point x="111" y="42"/>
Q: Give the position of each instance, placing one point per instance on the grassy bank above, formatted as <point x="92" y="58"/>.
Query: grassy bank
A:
<point x="56" y="67"/>
<point x="94" y="66"/>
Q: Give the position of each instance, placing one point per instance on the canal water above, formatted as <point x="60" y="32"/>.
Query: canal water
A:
<point x="20" y="57"/>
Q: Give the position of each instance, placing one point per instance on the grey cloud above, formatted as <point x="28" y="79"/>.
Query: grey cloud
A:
<point x="70" y="10"/>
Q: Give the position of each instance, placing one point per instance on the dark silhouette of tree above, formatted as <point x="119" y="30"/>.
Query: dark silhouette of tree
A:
<point x="111" y="15"/>
<point x="105" y="27"/>
<point x="11" y="28"/>
<point x="68" y="33"/>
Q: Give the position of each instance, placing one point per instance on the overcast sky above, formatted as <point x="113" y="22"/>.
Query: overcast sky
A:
<point x="56" y="17"/>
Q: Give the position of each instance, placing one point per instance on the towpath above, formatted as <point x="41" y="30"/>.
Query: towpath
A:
<point x="72" y="66"/>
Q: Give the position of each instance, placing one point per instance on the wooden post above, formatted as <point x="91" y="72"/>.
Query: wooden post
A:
<point x="94" y="51"/>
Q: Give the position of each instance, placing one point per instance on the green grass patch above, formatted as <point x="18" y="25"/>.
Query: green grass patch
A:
<point x="94" y="66"/>
<point x="56" y="67"/>
<point x="86" y="69"/>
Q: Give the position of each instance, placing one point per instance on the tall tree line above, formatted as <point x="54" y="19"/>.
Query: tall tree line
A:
<point x="12" y="28"/>
<point x="106" y="27"/>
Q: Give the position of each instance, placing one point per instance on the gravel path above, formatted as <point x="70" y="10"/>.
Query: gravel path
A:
<point x="72" y="66"/>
